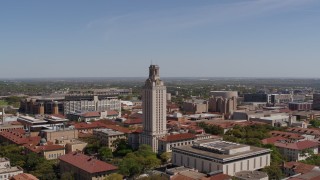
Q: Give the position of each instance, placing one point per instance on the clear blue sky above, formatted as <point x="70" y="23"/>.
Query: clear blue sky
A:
<point x="75" y="38"/>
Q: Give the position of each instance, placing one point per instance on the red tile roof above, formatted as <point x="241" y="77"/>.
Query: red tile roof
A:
<point x="298" y="145"/>
<point x="181" y="177"/>
<point x="272" y="140"/>
<point x="38" y="149"/>
<point x="24" y="176"/>
<point x="178" y="137"/>
<point x="91" y="114"/>
<point x="310" y="131"/>
<point x="87" y="163"/>
<point x="133" y="121"/>
<point x="118" y="128"/>
<point x="288" y="135"/>
<point x="112" y="113"/>
<point x="299" y="167"/>
<point x="18" y="138"/>
<point x="91" y="125"/>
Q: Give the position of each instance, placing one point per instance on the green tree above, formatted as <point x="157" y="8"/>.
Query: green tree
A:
<point x="67" y="176"/>
<point x="137" y="162"/>
<point x="105" y="153"/>
<point x="122" y="147"/>
<point x="315" y="123"/>
<point x="45" y="170"/>
<point x="165" y="157"/>
<point x="114" y="176"/>
<point x="32" y="161"/>
<point x="130" y="165"/>
<point x="313" y="160"/>
<point x="93" y="145"/>
<point x="274" y="172"/>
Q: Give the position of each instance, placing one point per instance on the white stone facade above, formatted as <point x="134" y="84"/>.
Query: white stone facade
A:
<point x="209" y="161"/>
<point x="154" y="105"/>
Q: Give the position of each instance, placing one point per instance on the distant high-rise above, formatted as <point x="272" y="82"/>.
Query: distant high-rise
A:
<point x="154" y="109"/>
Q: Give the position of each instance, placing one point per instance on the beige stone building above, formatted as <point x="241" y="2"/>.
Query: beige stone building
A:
<point x="108" y="136"/>
<point x="7" y="171"/>
<point x="51" y="151"/>
<point x="60" y="134"/>
<point x="75" y="145"/>
<point x="154" y="105"/>
<point x="195" y="106"/>
<point x="230" y="158"/>
<point x="84" y="167"/>
<point x="224" y="102"/>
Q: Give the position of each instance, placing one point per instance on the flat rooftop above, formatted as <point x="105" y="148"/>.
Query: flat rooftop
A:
<point x="271" y="118"/>
<point x="10" y="170"/>
<point x="221" y="150"/>
<point x="251" y="175"/>
<point x="30" y="119"/>
<point x="222" y="147"/>
<point x="4" y="159"/>
<point x="110" y="132"/>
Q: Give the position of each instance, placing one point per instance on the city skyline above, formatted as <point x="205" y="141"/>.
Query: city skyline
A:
<point x="185" y="38"/>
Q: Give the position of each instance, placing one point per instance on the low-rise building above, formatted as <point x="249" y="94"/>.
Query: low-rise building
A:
<point x="7" y="171"/>
<point x="293" y="168"/>
<point x="297" y="151"/>
<point x="75" y="145"/>
<point x="166" y="143"/>
<point x="49" y="151"/>
<point x="84" y="167"/>
<point x="59" y="134"/>
<point x="230" y="158"/>
<point x="108" y="136"/>
<point x="280" y="120"/>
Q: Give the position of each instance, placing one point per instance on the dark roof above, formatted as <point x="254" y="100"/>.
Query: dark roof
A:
<point x="178" y="137"/>
<point x="87" y="163"/>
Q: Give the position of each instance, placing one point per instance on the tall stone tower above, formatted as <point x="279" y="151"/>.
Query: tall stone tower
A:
<point x="154" y="105"/>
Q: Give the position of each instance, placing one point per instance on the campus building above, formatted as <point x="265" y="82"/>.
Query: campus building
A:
<point x="154" y="105"/>
<point x="216" y="155"/>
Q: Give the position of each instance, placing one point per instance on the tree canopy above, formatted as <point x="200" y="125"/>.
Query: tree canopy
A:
<point x="140" y="161"/>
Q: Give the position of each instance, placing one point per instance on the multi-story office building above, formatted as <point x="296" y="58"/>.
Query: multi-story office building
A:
<point x="300" y="106"/>
<point x="83" y="103"/>
<point x="42" y="105"/>
<point x="316" y="101"/>
<point x="257" y="98"/>
<point x="154" y="105"/>
<point x="230" y="158"/>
